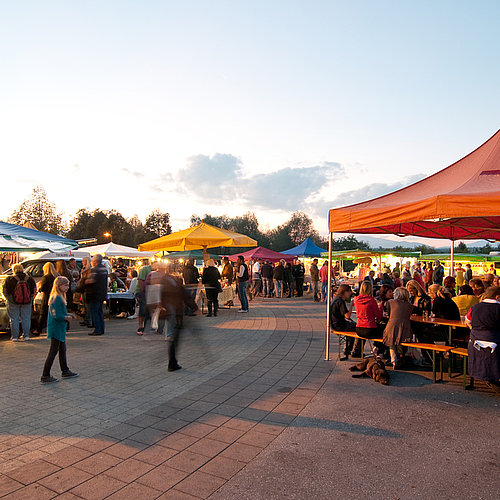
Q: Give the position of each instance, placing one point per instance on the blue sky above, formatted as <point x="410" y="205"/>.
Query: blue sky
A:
<point x="229" y="106"/>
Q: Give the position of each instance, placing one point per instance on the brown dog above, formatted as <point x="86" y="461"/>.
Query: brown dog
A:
<point x="372" y="367"/>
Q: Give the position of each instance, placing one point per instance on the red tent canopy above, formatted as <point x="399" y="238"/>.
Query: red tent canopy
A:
<point x="262" y="253"/>
<point x="459" y="202"/>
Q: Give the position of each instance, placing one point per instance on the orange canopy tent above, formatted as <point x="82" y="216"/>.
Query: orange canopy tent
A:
<point x="460" y="202"/>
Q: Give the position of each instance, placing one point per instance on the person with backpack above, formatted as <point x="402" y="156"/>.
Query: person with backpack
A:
<point x="19" y="290"/>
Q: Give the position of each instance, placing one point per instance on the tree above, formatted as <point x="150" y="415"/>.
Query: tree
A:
<point x="158" y="223"/>
<point x="461" y="248"/>
<point x="349" y="243"/>
<point x="39" y="211"/>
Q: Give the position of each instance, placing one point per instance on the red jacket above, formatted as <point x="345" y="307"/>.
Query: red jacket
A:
<point x="367" y="311"/>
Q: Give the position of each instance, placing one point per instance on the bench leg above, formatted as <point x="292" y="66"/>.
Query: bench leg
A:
<point x="464" y="382"/>
<point x="434" y="366"/>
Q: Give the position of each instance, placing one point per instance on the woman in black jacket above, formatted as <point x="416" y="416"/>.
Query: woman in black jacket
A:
<point x="45" y="286"/>
<point x="210" y="279"/>
<point x="420" y="300"/>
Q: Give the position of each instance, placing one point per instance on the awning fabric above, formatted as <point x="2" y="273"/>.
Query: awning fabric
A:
<point x="201" y="236"/>
<point x="14" y="238"/>
<point x="460" y="202"/>
<point x="113" y="250"/>
<point x="306" y="249"/>
<point x="262" y="253"/>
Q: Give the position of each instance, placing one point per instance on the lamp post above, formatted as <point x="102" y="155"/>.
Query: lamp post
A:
<point x="108" y="235"/>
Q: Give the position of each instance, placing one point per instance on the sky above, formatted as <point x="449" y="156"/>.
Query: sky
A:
<point x="217" y="107"/>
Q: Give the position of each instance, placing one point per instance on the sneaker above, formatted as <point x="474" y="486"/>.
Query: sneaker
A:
<point x="14" y="340"/>
<point x="132" y="317"/>
<point x="48" y="380"/>
<point x="26" y="339"/>
<point x="241" y="310"/>
<point x="69" y="374"/>
<point x="174" y="368"/>
<point x="140" y="331"/>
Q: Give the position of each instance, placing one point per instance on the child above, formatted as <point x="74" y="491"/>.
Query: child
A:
<point x="56" y="330"/>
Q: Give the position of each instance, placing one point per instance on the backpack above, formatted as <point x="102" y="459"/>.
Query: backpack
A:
<point x="21" y="292"/>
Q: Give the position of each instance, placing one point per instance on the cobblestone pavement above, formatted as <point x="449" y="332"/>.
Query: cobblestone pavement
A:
<point x="127" y="428"/>
<point x="255" y="413"/>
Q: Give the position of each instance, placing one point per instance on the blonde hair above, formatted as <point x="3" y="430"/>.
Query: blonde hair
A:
<point x="17" y="268"/>
<point x="438" y="290"/>
<point x="56" y="289"/>
<point x="48" y="268"/>
<point x="401" y="293"/>
<point x="366" y="288"/>
<point x="418" y="287"/>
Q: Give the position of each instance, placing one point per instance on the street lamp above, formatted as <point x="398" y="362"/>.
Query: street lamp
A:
<point x="108" y="235"/>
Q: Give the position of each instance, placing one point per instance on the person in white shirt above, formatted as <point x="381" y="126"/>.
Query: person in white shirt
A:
<point x="256" y="278"/>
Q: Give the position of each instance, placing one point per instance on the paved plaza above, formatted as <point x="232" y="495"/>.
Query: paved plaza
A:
<point x="256" y="412"/>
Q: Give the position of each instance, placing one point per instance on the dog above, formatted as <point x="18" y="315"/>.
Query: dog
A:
<point x="371" y="367"/>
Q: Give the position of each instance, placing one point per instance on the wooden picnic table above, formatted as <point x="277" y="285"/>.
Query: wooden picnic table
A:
<point x="450" y="323"/>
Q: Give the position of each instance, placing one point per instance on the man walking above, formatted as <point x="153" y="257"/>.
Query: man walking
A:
<point x="314" y="272"/>
<point x="19" y="290"/>
<point x="96" y="291"/>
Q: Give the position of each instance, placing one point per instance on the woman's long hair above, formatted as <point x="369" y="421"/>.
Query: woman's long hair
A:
<point x="439" y="291"/>
<point x="56" y="289"/>
<point x="417" y="286"/>
<point x="48" y="268"/>
<point x="366" y="288"/>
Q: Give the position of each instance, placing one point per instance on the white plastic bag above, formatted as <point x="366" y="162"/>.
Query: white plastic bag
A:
<point x="155" y="319"/>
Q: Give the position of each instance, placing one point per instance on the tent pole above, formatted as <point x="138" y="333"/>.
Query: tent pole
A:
<point x="329" y="296"/>
<point x="452" y="258"/>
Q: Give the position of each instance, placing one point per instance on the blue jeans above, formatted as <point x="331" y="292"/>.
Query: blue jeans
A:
<point x="315" y="290"/>
<point x="242" y="292"/>
<point x="19" y="312"/>
<point x="278" y="288"/>
<point x="97" y="315"/>
<point x="266" y="283"/>
<point x="324" y="285"/>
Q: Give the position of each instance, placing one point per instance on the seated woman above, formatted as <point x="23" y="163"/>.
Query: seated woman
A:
<point x="367" y="314"/>
<point x="442" y="303"/>
<point x="341" y="321"/>
<point x="449" y="284"/>
<point x="384" y="295"/>
<point x="420" y="300"/>
<point x="484" y="357"/>
<point x="398" y="328"/>
<point x="465" y="299"/>
<point x="478" y="288"/>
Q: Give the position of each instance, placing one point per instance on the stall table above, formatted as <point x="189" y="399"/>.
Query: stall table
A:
<point x="225" y="298"/>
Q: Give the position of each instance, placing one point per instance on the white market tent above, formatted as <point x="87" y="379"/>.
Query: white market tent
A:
<point x="113" y="250"/>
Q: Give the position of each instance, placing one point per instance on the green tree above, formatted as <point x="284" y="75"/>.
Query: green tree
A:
<point x="461" y="248"/>
<point x="349" y="243"/>
<point x="38" y="211"/>
<point x="158" y="223"/>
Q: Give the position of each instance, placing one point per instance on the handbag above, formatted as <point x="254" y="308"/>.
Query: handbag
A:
<point x="38" y="299"/>
<point x="219" y="287"/>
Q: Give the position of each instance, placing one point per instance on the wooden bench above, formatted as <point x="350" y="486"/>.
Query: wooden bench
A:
<point x="354" y="335"/>
<point x="434" y="348"/>
<point x="460" y="351"/>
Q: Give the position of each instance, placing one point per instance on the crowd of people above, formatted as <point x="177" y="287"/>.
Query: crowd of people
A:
<point x="384" y="306"/>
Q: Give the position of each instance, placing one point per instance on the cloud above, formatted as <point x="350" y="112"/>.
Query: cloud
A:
<point x="133" y="173"/>
<point x="364" y="193"/>
<point x="207" y="177"/>
<point x="286" y="189"/>
<point x="289" y="188"/>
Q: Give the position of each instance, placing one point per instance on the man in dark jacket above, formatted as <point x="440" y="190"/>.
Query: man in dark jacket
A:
<point x="266" y="272"/>
<point x="96" y="292"/>
<point x="298" y="271"/>
<point x="19" y="291"/>
<point x="191" y="277"/>
<point x="438" y="273"/>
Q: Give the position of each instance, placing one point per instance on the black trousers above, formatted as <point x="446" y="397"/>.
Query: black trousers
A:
<point x="212" y="300"/>
<point x="56" y="346"/>
<point x="299" y="285"/>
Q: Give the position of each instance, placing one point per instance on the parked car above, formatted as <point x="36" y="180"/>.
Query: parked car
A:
<point x="33" y="266"/>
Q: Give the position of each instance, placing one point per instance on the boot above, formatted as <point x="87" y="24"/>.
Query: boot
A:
<point x="356" y="349"/>
<point x="172" y="361"/>
<point x="216" y="307"/>
<point x="209" y="305"/>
